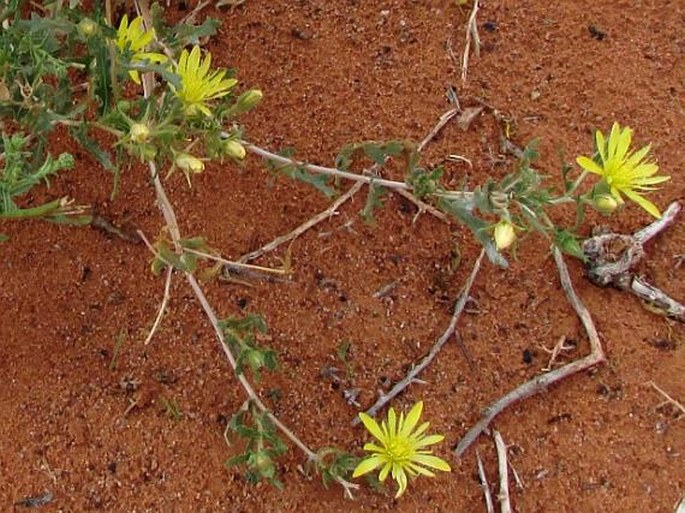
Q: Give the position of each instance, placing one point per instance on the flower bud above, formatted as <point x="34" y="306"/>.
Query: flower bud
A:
<point x="248" y="100"/>
<point x="255" y="359"/>
<point x="87" y="27"/>
<point x="189" y="164"/>
<point x="604" y="203"/>
<point x="505" y="235"/>
<point x="263" y="463"/>
<point x="234" y="150"/>
<point x="139" y="133"/>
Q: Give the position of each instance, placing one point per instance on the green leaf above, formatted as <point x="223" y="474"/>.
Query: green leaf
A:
<point x="373" y="201"/>
<point x="478" y="227"/>
<point x="568" y="243"/>
<point x="186" y="35"/>
<point x="319" y="182"/>
<point x="99" y="67"/>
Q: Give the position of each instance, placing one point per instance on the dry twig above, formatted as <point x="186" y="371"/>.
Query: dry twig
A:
<point x="484" y="485"/>
<point x="668" y="397"/>
<point x="503" y="495"/>
<point x="417" y="369"/>
<point x="541" y="383"/>
<point x="165" y="298"/>
<point x="471" y="35"/>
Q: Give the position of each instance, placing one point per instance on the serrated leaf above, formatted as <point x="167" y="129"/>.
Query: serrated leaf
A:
<point x="186" y="35"/>
<point x="568" y="243"/>
<point x="373" y="201"/>
<point x="319" y="182"/>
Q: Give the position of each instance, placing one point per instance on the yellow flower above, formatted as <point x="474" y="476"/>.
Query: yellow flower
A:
<point x="198" y="83"/>
<point x="400" y="452"/>
<point x="623" y="172"/>
<point x="135" y="38"/>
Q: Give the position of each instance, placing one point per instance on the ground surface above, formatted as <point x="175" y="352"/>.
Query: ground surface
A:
<point x="333" y="73"/>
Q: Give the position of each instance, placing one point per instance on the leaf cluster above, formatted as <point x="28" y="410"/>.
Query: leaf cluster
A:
<point x="262" y="445"/>
<point x="240" y="334"/>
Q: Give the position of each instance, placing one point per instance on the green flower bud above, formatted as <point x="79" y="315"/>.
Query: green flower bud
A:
<point x="189" y="164"/>
<point x="248" y="100"/>
<point x="255" y="359"/>
<point x="87" y="27"/>
<point x="263" y="463"/>
<point x="234" y="149"/>
<point x="505" y="235"/>
<point x="139" y="133"/>
<point x="605" y="203"/>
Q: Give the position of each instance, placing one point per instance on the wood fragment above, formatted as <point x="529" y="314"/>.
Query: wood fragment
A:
<point x="612" y="256"/>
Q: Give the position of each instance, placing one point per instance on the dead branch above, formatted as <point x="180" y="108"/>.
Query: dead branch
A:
<point x="484" y="484"/>
<point x="612" y="256"/>
<point x="503" y="496"/>
<point x="321" y="216"/>
<point x="417" y="369"/>
<point x="543" y="382"/>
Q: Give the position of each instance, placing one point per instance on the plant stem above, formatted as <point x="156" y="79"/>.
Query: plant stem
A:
<point x="338" y="173"/>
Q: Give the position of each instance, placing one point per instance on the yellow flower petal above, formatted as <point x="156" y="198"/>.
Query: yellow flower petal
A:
<point x="401" y="480"/>
<point x="384" y="472"/>
<point x="367" y="465"/>
<point x="420" y="470"/>
<point x="372" y="426"/>
<point x="432" y="462"/>
<point x="392" y="423"/>
<point x="613" y="140"/>
<point x="589" y="165"/>
<point x="601" y="145"/>
<point x="643" y="202"/>
<point x="412" y="419"/>
<point x="428" y="440"/>
<point x="373" y="448"/>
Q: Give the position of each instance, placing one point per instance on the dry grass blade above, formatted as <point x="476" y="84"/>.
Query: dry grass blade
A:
<point x="669" y="399"/>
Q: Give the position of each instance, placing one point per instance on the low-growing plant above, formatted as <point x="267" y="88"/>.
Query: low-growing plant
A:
<point x="153" y="93"/>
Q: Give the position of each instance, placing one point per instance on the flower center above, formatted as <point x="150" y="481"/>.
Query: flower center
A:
<point x="399" y="450"/>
